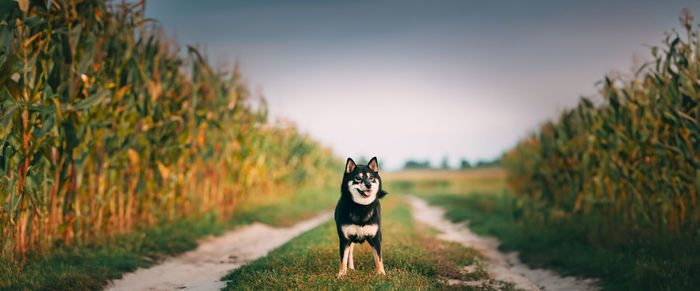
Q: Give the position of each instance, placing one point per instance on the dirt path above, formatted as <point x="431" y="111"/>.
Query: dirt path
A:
<point x="201" y="269"/>
<point x="501" y="266"/>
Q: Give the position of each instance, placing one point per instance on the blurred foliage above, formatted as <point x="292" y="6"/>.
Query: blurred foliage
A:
<point x="632" y="160"/>
<point x="105" y="127"/>
<point x="488" y="163"/>
<point x="412" y="164"/>
<point x="445" y="165"/>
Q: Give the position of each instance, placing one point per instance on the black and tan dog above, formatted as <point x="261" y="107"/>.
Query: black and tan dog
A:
<point x="358" y="215"/>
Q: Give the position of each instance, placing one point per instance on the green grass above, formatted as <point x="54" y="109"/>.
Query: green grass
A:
<point x="89" y="267"/>
<point x="413" y="259"/>
<point x="623" y="259"/>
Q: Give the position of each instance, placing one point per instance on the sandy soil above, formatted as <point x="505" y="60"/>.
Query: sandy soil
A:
<point x="501" y="266"/>
<point x="201" y="269"/>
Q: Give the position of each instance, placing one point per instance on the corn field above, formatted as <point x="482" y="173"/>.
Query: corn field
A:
<point x="105" y="127"/>
<point x="633" y="159"/>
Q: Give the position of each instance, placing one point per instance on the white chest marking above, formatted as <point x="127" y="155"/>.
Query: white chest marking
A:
<point x="360" y="232"/>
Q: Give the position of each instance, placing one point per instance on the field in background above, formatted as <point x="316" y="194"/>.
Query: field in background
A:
<point x="487" y="180"/>
<point x="573" y="244"/>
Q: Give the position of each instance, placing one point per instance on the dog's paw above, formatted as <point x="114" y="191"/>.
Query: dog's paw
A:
<point x="381" y="272"/>
<point x="340" y="274"/>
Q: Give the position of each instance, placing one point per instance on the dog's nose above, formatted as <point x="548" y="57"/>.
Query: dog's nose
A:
<point x="368" y="185"/>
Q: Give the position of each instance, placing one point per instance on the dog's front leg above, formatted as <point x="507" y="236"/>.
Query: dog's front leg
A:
<point x="351" y="265"/>
<point x="376" y="245"/>
<point x="378" y="261"/>
<point x="344" y="254"/>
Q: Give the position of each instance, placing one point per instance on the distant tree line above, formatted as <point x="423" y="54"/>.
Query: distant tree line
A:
<point x="444" y="164"/>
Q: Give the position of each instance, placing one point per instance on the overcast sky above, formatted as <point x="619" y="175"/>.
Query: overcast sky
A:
<point x="421" y="79"/>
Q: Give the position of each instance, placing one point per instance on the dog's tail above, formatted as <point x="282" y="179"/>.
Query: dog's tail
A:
<point x="381" y="194"/>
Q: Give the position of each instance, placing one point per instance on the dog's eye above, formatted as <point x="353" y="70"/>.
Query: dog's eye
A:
<point x="358" y="179"/>
<point x="371" y="178"/>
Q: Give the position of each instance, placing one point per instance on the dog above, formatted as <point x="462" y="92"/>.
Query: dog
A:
<point x="358" y="214"/>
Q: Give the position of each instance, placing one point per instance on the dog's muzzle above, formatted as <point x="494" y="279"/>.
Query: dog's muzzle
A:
<point x="366" y="193"/>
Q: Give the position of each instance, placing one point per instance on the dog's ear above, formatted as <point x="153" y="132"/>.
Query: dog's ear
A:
<point x="373" y="164"/>
<point x="349" y="166"/>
